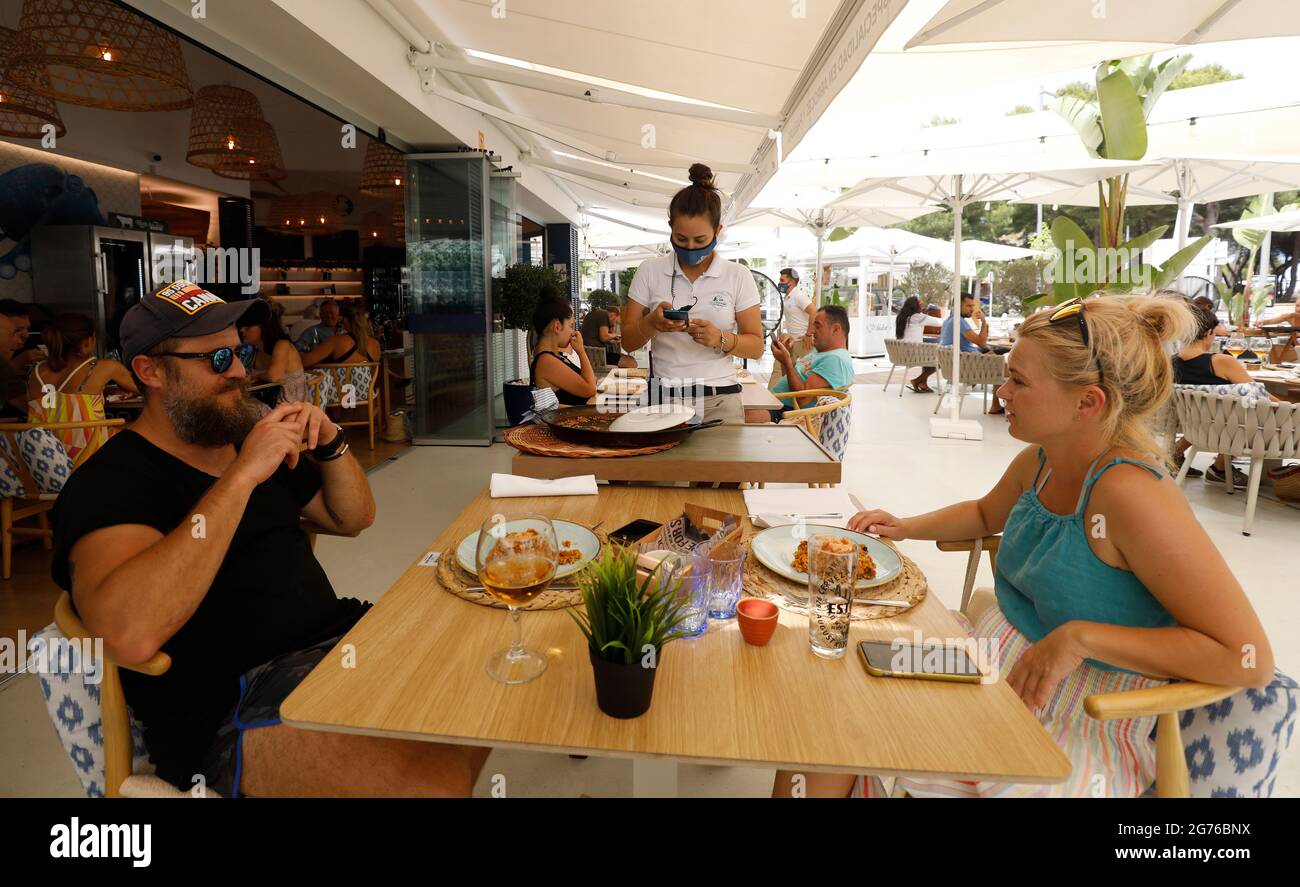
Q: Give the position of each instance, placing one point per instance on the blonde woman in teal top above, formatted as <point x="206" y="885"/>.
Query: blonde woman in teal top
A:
<point x="1105" y="581"/>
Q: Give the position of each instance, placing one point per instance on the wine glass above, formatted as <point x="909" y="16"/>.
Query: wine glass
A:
<point x="1236" y="346"/>
<point x="516" y="558"/>
<point x="1259" y="346"/>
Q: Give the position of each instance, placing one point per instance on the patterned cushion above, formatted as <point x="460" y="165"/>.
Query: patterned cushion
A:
<point x="1251" y="393"/>
<point x="1234" y="747"/>
<point x="47" y="460"/>
<point x="11" y="486"/>
<point x="72" y="700"/>
<point x="336" y="378"/>
<point x="834" y="434"/>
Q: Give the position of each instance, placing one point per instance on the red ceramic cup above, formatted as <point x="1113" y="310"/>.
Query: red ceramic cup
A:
<point x="757" y="619"/>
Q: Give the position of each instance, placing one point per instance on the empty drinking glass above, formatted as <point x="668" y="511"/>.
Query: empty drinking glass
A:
<point x="688" y="575"/>
<point x="726" y="579"/>
<point x="832" y="573"/>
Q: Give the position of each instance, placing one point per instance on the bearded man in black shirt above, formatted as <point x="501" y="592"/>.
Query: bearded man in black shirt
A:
<point x="187" y="533"/>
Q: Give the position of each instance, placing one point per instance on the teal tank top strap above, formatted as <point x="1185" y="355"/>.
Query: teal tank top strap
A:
<point x="1042" y="460"/>
<point x="1086" y="493"/>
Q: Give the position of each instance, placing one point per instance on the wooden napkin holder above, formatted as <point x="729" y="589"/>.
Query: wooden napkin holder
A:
<point x="708" y="519"/>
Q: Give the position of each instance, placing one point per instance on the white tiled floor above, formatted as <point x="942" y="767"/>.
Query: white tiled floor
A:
<point x="891" y="462"/>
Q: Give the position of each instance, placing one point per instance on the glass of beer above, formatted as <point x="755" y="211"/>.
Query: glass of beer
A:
<point x="1236" y="346"/>
<point x="832" y="574"/>
<point x="1259" y="346"/>
<point x="517" y="558"/>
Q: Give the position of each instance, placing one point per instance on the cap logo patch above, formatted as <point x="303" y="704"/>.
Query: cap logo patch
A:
<point x="189" y="298"/>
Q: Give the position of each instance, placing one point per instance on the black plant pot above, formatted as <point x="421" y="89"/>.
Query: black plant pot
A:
<point x="622" y="691"/>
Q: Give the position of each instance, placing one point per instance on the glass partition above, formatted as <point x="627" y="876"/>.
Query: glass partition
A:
<point x="448" y="250"/>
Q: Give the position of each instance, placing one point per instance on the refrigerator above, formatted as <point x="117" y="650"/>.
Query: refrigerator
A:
<point x="102" y="272"/>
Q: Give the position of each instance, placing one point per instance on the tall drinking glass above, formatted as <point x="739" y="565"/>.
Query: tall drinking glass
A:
<point x="688" y="576"/>
<point x="832" y="573"/>
<point x="517" y="559"/>
<point x="726" y="579"/>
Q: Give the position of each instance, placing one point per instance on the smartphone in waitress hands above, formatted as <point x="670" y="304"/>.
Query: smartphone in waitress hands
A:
<point x="681" y="315"/>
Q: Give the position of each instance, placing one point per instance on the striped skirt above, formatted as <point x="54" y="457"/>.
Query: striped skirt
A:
<point x="1109" y="759"/>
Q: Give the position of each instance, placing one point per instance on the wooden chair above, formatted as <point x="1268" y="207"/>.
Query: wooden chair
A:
<point x="817" y="419"/>
<point x="119" y="781"/>
<point x="34" y="502"/>
<point x="1165" y="703"/>
<point x="315" y="381"/>
<point x="343" y="374"/>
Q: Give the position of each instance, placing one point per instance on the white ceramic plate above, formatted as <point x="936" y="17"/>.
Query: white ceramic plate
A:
<point x="774" y="548"/>
<point x="656" y="417"/>
<point x="579" y="536"/>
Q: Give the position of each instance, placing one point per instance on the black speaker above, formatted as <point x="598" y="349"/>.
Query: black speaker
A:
<point x="235" y="220"/>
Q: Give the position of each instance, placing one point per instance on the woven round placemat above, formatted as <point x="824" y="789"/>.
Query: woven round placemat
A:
<point x="539" y="441"/>
<point x="909" y="586"/>
<point x="454" y="579"/>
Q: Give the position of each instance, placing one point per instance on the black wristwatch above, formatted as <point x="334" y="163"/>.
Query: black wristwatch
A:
<point x="325" y="452"/>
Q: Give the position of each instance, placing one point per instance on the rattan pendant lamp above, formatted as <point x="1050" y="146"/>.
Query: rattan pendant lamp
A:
<point x="24" y="112"/>
<point x="384" y="171"/>
<point x="262" y="161"/>
<point x="99" y="54"/>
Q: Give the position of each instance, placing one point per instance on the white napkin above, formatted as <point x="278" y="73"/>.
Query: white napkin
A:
<point x="622" y="385"/>
<point x="511" y="486"/>
<point x="774" y="508"/>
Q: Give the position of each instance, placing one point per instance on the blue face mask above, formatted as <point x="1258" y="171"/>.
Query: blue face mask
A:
<point x="695" y="256"/>
<point x="783" y="288"/>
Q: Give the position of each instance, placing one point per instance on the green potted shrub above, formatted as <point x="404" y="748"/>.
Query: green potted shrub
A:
<point x="626" y="622"/>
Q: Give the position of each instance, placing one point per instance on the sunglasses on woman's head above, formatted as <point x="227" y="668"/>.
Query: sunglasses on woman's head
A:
<point x="1074" y="308"/>
<point x="221" y="359"/>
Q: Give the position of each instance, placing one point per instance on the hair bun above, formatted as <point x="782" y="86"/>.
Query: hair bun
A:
<point x="1167" y="318"/>
<point x="700" y="175"/>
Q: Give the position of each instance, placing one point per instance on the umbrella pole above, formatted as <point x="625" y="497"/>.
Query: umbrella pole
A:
<point x="954" y="427"/>
<point x="958" y="327"/>
<point x="817" y="283"/>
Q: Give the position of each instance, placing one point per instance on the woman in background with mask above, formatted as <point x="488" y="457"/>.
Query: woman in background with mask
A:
<point x="694" y="357"/>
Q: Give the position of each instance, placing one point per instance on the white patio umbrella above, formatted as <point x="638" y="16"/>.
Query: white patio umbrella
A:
<point x="926" y="181"/>
<point x="1275" y="222"/>
<point x="822" y="221"/>
<point x="1159" y="21"/>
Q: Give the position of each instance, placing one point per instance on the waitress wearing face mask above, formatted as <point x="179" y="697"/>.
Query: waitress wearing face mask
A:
<point x="695" y="357"/>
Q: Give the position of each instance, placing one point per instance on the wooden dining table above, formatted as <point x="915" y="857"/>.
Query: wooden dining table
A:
<point x="419" y="674"/>
<point x="723" y="454"/>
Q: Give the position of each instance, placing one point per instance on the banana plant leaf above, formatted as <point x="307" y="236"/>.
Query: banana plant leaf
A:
<point x="1123" y="124"/>
<point x="1178" y="262"/>
<point x="1164" y="73"/>
<point x="840" y="234"/>
<point x="1085" y="119"/>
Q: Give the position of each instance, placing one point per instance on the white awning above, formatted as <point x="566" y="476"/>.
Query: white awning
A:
<point x="1158" y="21"/>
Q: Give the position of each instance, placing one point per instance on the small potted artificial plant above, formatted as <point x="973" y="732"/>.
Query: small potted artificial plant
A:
<point x="627" y="621"/>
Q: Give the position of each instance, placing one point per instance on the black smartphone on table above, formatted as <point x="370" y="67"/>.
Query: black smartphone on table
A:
<point x="634" y="531"/>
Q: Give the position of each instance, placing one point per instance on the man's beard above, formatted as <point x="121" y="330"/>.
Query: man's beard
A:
<point x="206" y="421"/>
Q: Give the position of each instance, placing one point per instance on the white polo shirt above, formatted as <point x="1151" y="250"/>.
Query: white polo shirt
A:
<point x="718" y="294"/>
<point x="796" y="311"/>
